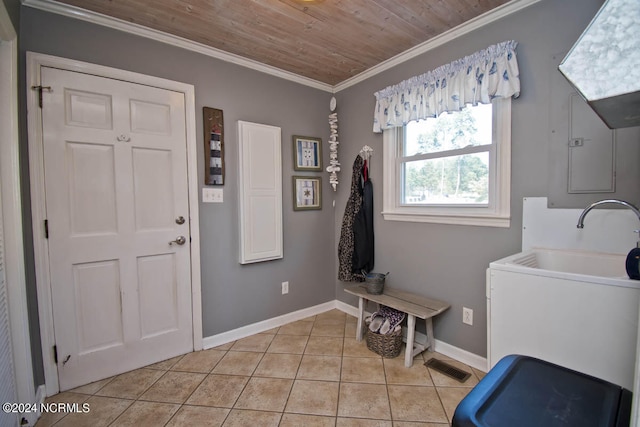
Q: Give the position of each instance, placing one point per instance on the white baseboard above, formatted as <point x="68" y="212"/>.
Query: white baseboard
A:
<point x="451" y="351"/>
<point x="30" y="418"/>
<point x="441" y="347"/>
<point x="265" y="325"/>
<point x="464" y="356"/>
<point x="346" y="308"/>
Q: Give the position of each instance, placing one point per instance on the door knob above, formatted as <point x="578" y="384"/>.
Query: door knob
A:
<point x="180" y="220"/>
<point x="180" y="240"/>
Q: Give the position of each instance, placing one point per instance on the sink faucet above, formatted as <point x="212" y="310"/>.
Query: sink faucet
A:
<point x="601" y="202"/>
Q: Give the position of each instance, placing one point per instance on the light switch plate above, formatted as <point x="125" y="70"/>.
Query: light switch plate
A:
<point x="212" y="195"/>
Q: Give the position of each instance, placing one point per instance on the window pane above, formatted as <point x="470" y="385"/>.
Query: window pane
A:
<point x="455" y="180"/>
<point x="471" y="126"/>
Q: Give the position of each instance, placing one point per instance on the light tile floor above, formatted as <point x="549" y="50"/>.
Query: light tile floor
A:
<point x="311" y="372"/>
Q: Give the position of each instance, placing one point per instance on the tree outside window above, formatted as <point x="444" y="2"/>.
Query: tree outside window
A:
<point x="446" y="160"/>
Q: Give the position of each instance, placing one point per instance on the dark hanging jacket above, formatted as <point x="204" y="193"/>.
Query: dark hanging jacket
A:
<point x="346" y="243"/>
<point x="363" y="242"/>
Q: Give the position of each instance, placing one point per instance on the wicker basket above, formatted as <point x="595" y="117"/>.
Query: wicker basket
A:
<point x="388" y="345"/>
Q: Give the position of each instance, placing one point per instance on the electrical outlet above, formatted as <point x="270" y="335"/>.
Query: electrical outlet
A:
<point x="212" y="195"/>
<point x="467" y="316"/>
<point x="285" y="288"/>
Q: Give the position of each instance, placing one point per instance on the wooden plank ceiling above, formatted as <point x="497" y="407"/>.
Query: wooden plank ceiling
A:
<point x="325" y="40"/>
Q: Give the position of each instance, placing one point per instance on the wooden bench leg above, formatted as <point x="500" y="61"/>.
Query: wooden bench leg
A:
<point x="360" y="319"/>
<point x="430" y="339"/>
<point x="411" y="333"/>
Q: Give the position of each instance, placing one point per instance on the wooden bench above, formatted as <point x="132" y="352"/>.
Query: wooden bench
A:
<point x="411" y="304"/>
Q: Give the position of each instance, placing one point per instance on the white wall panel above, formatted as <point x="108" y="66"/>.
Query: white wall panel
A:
<point x="605" y="230"/>
<point x="260" y="192"/>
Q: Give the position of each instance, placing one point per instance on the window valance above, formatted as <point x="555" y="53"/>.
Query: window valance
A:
<point x="477" y="78"/>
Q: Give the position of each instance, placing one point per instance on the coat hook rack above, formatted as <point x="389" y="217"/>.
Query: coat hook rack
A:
<point x="366" y="152"/>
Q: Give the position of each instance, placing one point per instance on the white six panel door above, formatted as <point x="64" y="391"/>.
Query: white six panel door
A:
<point x="117" y="209"/>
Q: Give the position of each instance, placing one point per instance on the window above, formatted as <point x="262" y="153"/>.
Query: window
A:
<point x="454" y="169"/>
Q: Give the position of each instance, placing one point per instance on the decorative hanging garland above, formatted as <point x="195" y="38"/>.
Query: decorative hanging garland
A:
<point x="334" y="165"/>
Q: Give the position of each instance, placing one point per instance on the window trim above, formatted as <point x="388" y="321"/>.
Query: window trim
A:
<point x="496" y="214"/>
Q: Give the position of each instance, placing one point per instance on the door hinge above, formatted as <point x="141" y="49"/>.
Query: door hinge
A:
<point x="46" y="228"/>
<point x="55" y="354"/>
<point x="40" y="89"/>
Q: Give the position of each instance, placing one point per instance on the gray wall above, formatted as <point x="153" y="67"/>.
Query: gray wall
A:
<point x="13" y="9"/>
<point x="448" y="262"/>
<point x="232" y="295"/>
<point x="441" y="261"/>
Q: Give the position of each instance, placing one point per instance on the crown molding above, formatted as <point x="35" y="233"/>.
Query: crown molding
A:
<point x="462" y="29"/>
<point x="132" y="28"/>
<point x="139" y="30"/>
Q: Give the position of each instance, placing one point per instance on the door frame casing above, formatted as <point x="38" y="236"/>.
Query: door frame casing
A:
<point x="35" y="61"/>
<point x="12" y="221"/>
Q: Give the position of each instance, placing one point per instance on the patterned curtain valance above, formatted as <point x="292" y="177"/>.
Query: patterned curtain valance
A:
<point x="477" y="78"/>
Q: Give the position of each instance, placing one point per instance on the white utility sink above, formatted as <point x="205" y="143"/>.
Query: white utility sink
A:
<point x="571" y="261"/>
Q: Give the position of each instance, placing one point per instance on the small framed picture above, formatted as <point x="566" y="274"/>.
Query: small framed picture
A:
<point x="307" y="193"/>
<point x="307" y="153"/>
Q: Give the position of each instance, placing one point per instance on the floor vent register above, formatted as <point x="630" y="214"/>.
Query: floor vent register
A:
<point x="448" y="370"/>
